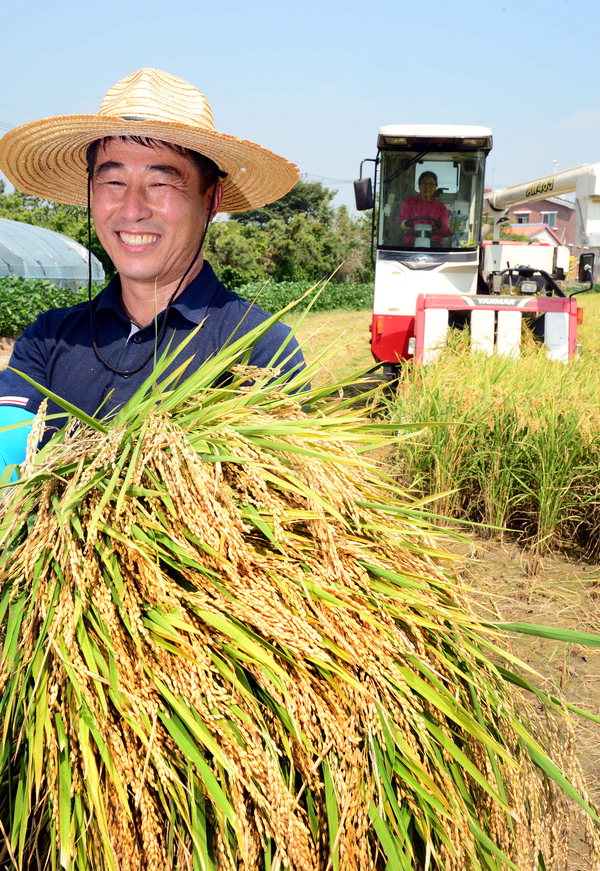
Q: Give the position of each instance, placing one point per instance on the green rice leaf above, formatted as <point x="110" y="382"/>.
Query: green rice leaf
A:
<point x="556" y="633"/>
<point x="190" y="750"/>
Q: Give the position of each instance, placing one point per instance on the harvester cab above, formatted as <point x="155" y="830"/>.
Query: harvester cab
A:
<point x="432" y="270"/>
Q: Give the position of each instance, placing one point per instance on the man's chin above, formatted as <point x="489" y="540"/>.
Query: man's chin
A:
<point x="142" y="279"/>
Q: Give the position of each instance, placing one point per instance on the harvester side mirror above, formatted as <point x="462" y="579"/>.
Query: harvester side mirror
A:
<point x="363" y="194"/>
<point x="585" y="273"/>
<point x="586" y="268"/>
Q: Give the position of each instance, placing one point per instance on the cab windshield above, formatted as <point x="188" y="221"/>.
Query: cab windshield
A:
<point x="430" y="200"/>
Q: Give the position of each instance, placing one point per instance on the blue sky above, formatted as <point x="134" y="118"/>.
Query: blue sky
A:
<point x="315" y="80"/>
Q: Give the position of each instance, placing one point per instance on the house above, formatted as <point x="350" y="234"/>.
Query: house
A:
<point x="555" y="213"/>
<point x="536" y="233"/>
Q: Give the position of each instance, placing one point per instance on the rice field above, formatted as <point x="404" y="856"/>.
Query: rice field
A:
<point x="513" y="445"/>
<point x="557" y="408"/>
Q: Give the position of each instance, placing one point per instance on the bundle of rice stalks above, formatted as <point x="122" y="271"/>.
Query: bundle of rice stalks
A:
<point x="228" y="643"/>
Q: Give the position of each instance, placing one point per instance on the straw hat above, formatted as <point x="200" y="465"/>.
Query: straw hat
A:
<point x="47" y="157"/>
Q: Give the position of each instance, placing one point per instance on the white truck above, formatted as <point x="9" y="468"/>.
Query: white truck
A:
<point x="432" y="268"/>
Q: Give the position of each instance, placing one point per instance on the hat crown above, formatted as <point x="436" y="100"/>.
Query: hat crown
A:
<point x="152" y="95"/>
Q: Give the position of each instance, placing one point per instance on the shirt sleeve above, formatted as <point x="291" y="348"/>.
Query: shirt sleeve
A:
<point x="275" y="348"/>
<point x="13" y="437"/>
<point x="29" y="356"/>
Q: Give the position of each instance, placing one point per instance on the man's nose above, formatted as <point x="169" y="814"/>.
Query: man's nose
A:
<point x="135" y="205"/>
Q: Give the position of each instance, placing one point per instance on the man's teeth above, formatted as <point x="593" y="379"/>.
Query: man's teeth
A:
<point x="137" y="239"/>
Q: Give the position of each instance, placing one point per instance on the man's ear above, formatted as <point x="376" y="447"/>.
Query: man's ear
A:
<point x="217" y="199"/>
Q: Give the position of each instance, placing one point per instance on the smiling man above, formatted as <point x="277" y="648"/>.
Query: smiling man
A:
<point x="150" y="205"/>
<point x="154" y="172"/>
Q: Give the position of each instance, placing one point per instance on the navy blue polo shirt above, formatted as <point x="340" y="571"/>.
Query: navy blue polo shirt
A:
<point x="57" y="349"/>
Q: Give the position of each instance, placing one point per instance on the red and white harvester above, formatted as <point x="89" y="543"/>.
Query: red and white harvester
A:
<point x="425" y="284"/>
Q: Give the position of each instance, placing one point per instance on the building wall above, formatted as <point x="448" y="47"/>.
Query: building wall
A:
<point x="531" y="213"/>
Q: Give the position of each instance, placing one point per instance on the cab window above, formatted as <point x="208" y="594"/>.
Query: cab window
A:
<point x="430" y="199"/>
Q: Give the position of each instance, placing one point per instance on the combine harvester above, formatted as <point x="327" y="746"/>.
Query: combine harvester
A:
<point x="432" y="269"/>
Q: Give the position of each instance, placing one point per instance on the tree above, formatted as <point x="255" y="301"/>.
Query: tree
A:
<point x="309" y="239"/>
<point x="306" y="198"/>
<point x="238" y="252"/>
<point x="355" y="246"/>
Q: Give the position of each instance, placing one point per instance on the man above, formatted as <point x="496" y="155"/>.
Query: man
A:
<point x="155" y="172"/>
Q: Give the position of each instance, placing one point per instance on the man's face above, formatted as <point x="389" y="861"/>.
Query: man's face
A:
<point x="150" y="209"/>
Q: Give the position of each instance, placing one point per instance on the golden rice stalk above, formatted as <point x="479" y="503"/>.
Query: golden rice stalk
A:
<point x="228" y="643"/>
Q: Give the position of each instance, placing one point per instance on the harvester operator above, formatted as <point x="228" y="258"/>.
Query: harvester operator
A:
<point x="423" y="218"/>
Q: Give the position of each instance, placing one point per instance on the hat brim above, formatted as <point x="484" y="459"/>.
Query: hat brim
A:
<point x="47" y="158"/>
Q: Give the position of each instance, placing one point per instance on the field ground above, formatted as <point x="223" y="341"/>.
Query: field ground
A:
<point x="343" y="336"/>
<point x="506" y="586"/>
<point x="556" y="592"/>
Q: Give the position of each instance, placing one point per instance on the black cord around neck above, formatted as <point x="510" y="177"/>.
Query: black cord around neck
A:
<point x="165" y="312"/>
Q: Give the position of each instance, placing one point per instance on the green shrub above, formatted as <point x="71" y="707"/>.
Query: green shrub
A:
<point x="23" y="299"/>
<point x="275" y="296"/>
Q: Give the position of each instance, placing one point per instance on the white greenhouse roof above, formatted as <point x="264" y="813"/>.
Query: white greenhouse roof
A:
<point x="35" y="252"/>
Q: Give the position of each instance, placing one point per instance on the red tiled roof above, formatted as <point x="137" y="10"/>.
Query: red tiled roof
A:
<point x="532" y="230"/>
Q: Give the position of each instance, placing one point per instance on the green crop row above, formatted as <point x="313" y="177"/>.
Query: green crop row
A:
<point x="510" y="443"/>
<point x="275" y="296"/>
<point x="22" y="299"/>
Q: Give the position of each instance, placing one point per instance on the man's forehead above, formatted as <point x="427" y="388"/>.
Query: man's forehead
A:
<point x="123" y="142"/>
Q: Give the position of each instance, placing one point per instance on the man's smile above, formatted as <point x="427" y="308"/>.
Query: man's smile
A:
<point x="137" y="238"/>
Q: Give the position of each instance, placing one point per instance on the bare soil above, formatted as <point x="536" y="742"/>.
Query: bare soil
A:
<point x="509" y="585"/>
<point x="5" y="350"/>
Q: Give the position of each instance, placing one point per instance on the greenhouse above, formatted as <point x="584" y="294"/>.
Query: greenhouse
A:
<point x="35" y="252"/>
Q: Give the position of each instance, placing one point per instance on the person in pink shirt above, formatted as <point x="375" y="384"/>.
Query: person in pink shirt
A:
<point x="424" y="209"/>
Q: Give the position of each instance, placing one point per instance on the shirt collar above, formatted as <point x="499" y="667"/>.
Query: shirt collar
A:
<point x="195" y="300"/>
<point x="192" y="303"/>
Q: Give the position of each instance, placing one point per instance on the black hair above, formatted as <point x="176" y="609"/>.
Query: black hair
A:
<point x="208" y="169"/>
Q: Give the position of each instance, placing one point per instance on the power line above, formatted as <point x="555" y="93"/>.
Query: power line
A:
<point x="328" y="178"/>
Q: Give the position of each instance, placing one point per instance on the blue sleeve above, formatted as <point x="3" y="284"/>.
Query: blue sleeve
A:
<point x="13" y="441"/>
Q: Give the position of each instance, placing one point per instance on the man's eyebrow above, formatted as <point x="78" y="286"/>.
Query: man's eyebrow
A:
<point x="107" y="166"/>
<point x="165" y="168"/>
